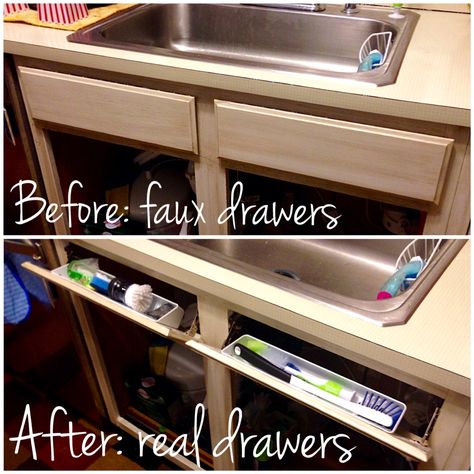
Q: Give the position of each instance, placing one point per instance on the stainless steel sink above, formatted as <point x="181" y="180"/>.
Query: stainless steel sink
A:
<point x="325" y="43"/>
<point x="346" y="274"/>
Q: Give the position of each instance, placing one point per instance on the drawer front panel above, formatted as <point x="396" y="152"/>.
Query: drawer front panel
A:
<point x="393" y="440"/>
<point x="401" y="163"/>
<point x="136" y="113"/>
<point x="103" y="301"/>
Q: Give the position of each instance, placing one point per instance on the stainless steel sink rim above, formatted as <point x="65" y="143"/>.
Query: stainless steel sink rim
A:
<point x="386" y="74"/>
<point x="389" y="312"/>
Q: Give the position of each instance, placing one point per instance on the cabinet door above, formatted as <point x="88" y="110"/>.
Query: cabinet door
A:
<point x="410" y="165"/>
<point x="136" y="113"/>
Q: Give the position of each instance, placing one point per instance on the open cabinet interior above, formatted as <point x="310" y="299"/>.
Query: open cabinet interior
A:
<point x="336" y="447"/>
<point x="114" y="174"/>
<point x="355" y="215"/>
<point x="156" y="383"/>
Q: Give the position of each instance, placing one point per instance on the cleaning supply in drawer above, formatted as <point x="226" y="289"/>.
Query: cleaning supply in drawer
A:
<point x="83" y="270"/>
<point x="265" y="365"/>
<point x="139" y="298"/>
<point x="318" y="381"/>
<point x="368" y="405"/>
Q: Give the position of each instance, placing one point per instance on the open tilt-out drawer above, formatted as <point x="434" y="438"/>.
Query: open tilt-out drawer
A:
<point x="399" y="442"/>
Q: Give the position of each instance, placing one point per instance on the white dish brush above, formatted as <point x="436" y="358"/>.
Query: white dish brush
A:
<point x="139" y="297"/>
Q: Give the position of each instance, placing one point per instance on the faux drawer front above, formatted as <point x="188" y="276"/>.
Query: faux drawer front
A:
<point x="145" y="115"/>
<point x="401" y="163"/>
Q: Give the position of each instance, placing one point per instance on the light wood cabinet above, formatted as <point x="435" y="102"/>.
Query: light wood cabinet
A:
<point x="215" y="302"/>
<point x="391" y="161"/>
<point x="416" y="165"/>
<point x="136" y="113"/>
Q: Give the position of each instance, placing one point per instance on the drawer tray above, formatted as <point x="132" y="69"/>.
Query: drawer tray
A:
<point x="171" y="319"/>
<point x="171" y="315"/>
<point x="281" y="358"/>
<point x="400" y="442"/>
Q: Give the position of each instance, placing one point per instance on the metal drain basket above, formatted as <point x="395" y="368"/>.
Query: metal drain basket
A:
<point x="376" y="41"/>
<point x="424" y="248"/>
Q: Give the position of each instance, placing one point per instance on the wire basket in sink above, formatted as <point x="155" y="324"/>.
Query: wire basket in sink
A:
<point x="376" y="41"/>
<point x="426" y="249"/>
<point x="410" y="264"/>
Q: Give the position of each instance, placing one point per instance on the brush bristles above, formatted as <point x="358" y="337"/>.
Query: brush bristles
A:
<point x="139" y="297"/>
<point x="383" y="405"/>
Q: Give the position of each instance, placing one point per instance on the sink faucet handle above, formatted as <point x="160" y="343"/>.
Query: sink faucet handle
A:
<point x="350" y="8"/>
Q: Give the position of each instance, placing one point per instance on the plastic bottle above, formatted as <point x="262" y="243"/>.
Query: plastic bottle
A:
<point x="83" y="270"/>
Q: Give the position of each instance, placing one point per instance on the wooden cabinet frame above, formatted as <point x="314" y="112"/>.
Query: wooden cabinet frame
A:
<point x="449" y="443"/>
<point x="445" y="215"/>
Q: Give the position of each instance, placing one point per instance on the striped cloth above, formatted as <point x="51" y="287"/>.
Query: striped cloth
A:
<point x="11" y="8"/>
<point x="62" y="13"/>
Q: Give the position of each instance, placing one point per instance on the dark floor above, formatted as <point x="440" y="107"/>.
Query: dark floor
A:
<point x="119" y="455"/>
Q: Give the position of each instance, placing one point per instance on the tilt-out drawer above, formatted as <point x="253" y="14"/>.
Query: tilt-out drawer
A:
<point x="406" y="164"/>
<point x="135" y="113"/>
<point x="165" y="325"/>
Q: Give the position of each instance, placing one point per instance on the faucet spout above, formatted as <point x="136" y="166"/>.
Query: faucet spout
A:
<point x="312" y="7"/>
<point x="319" y="7"/>
<point x="350" y="9"/>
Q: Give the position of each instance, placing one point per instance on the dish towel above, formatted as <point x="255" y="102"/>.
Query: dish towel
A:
<point x="16" y="301"/>
<point x="95" y="14"/>
<point x="20" y="285"/>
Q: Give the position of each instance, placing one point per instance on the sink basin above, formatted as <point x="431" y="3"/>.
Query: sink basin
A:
<point x="325" y="44"/>
<point x="346" y="274"/>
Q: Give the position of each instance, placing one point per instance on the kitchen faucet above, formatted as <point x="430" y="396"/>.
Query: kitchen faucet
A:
<point x="313" y="7"/>
<point x="350" y="8"/>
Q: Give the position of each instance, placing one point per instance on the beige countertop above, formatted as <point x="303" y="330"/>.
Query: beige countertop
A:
<point x="436" y="336"/>
<point x="433" y="83"/>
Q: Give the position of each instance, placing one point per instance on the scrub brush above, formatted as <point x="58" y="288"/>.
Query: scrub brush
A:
<point x="320" y="382"/>
<point x="137" y="297"/>
<point x="87" y="272"/>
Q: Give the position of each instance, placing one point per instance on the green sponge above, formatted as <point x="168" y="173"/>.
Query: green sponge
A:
<point x="256" y="346"/>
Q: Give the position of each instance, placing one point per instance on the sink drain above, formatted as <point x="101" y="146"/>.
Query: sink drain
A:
<point x="287" y="273"/>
